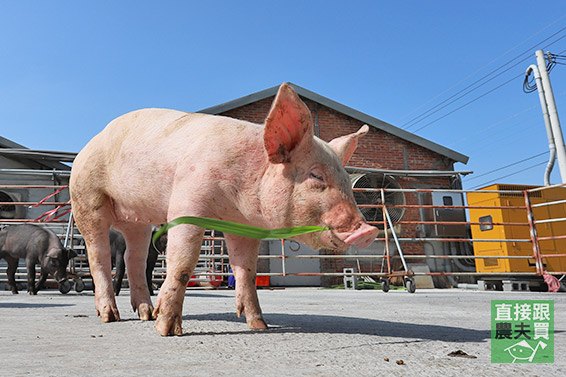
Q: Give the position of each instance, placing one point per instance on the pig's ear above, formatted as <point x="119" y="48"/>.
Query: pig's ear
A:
<point x="71" y="253"/>
<point x="288" y="124"/>
<point x="344" y="146"/>
<point x="52" y="253"/>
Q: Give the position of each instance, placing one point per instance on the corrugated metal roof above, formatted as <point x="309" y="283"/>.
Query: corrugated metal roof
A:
<point x="49" y="159"/>
<point x="39" y="155"/>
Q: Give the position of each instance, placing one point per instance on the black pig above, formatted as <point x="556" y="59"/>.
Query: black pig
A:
<point x="118" y="249"/>
<point x="36" y="245"/>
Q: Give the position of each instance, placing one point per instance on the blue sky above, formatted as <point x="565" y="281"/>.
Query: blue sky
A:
<point x="67" y="68"/>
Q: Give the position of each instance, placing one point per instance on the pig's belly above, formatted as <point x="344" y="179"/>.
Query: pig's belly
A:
<point x="142" y="213"/>
<point x="140" y="195"/>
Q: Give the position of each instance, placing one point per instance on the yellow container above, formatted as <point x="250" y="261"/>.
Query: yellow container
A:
<point x="517" y="232"/>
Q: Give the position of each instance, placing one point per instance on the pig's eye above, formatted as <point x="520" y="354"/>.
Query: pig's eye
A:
<point x="316" y="176"/>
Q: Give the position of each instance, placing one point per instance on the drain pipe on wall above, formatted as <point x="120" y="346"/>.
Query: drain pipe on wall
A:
<point x="551" y="145"/>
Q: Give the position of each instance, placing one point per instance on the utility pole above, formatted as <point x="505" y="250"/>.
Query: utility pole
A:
<point x="553" y="114"/>
<point x="551" y="146"/>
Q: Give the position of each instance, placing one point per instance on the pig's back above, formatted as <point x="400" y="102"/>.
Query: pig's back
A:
<point x="135" y="159"/>
<point x="148" y="129"/>
<point x="142" y="141"/>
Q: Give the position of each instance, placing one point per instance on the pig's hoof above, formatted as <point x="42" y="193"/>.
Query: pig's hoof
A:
<point x="145" y="312"/>
<point x="65" y="287"/>
<point x="257" y="324"/>
<point x="109" y="315"/>
<point x="167" y="325"/>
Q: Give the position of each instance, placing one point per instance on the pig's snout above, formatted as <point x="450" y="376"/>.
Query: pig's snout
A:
<point x="363" y="236"/>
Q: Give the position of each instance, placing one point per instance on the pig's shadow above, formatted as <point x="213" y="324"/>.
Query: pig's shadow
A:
<point x="314" y="324"/>
<point x="23" y="305"/>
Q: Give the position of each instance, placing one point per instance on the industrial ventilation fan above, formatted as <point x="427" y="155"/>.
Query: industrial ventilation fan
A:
<point x="392" y="198"/>
<point x="7" y="211"/>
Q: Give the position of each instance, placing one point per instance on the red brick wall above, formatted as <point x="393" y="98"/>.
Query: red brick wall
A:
<point x="377" y="149"/>
<point x="255" y="112"/>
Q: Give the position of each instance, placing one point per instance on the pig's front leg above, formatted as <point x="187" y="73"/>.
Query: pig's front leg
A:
<point x="100" y="265"/>
<point x="32" y="290"/>
<point x="41" y="282"/>
<point x="243" y="260"/>
<point x="183" y="250"/>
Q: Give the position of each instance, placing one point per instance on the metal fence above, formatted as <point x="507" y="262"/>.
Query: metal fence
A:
<point x="513" y="221"/>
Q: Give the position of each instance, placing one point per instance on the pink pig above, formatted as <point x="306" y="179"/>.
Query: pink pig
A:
<point x="152" y="166"/>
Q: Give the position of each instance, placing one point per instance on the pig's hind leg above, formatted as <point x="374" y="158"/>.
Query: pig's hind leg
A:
<point x="137" y="239"/>
<point x="243" y="260"/>
<point x="120" y="272"/>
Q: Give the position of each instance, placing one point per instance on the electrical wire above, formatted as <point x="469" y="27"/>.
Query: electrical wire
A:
<point x="514" y="134"/>
<point x="529" y="85"/>
<point x="465" y="94"/>
<point x="482" y="142"/>
<point x="468" y="103"/>
<point x="466" y="179"/>
<point x="426" y="114"/>
<point x="483" y="95"/>
<point x="489" y="74"/>
<point x="554" y="60"/>
<point x="508" y="175"/>
<point x="493" y="125"/>
<point x="483" y="67"/>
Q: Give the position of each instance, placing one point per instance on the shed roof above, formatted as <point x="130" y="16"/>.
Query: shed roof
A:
<point x="48" y="159"/>
<point x="353" y="113"/>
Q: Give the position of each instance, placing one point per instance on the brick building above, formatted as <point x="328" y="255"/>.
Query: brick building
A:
<point x="389" y="156"/>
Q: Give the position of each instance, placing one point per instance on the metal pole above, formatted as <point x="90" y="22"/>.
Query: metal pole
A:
<point x="534" y="236"/>
<point x="553" y="113"/>
<point x="551" y="145"/>
<point x="68" y="233"/>
<point x="283" y="257"/>
<point x="387" y="250"/>
<point x="395" y="238"/>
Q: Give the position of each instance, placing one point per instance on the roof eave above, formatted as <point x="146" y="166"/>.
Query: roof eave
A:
<point x="369" y="120"/>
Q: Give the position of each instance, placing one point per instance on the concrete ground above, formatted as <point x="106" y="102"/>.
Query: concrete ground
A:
<point x="313" y="332"/>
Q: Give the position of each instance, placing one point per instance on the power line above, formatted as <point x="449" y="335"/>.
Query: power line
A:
<point x="497" y="124"/>
<point x="517" y="134"/>
<point x="485" y="66"/>
<point x="424" y="115"/>
<point x="465" y="94"/>
<point x="469" y="103"/>
<point x="529" y="85"/>
<point x="488" y="92"/>
<point x="493" y="125"/>
<point x="506" y="166"/>
<point x="506" y="176"/>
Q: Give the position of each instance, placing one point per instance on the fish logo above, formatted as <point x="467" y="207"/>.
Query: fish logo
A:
<point x="524" y="351"/>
